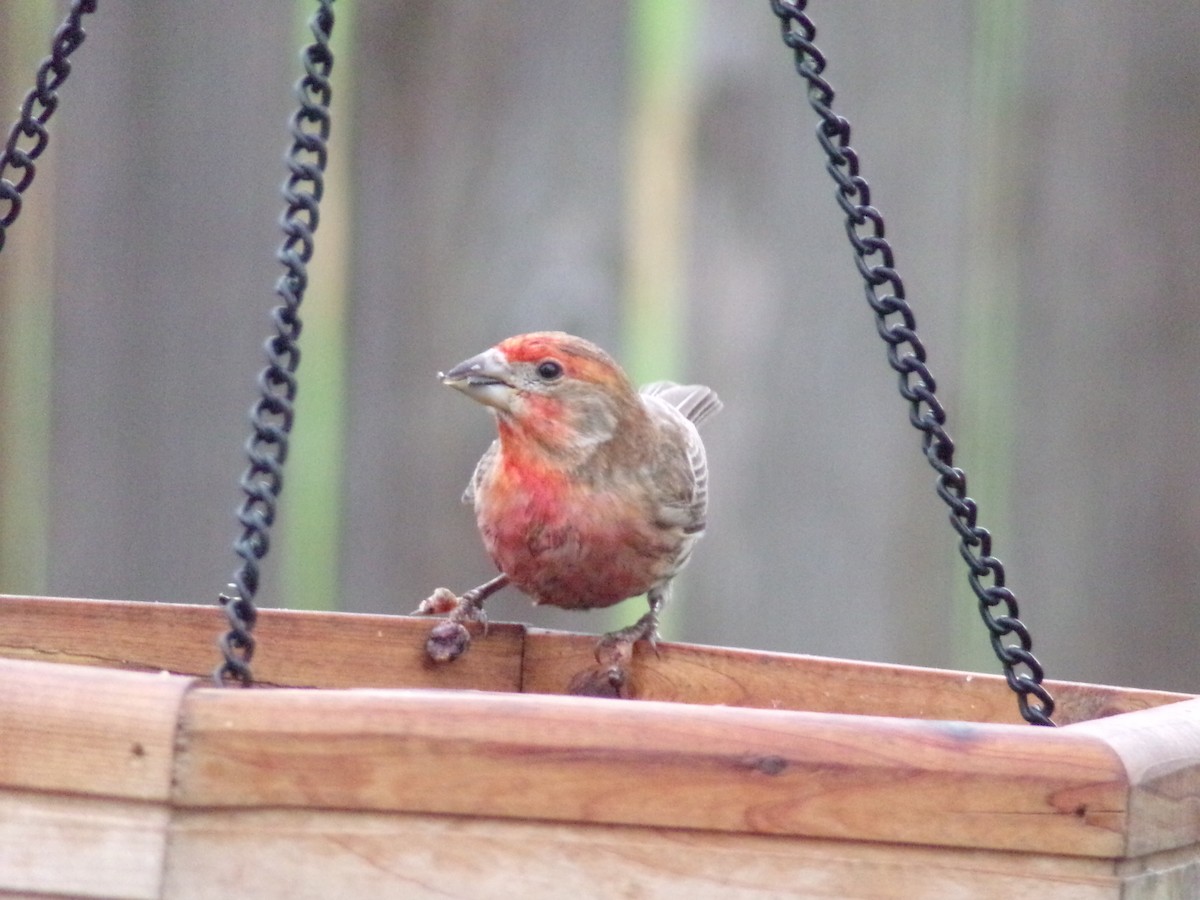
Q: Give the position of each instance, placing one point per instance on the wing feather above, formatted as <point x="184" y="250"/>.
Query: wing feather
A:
<point x="695" y="401"/>
<point x="481" y="469"/>
<point x="679" y="407"/>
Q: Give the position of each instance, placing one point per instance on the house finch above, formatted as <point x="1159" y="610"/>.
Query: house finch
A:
<point x="591" y="494"/>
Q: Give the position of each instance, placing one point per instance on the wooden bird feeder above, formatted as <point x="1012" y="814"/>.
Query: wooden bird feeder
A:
<point x="360" y="769"/>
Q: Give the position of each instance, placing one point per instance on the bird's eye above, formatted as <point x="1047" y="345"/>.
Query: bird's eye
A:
<point x="549" y="369"/>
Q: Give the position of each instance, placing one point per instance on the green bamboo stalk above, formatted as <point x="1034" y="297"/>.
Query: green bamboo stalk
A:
<point x="26" y="328"/>
<point x="312" y="508"/>
<point x="989" y="337"/>
<point x="657" y="185"/>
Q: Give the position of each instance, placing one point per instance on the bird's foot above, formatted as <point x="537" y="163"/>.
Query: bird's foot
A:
<point x="450" y="639"/>
<point x="444" y="602"/>
<point x="614" y="653"/>
<point x="644" y="629"/>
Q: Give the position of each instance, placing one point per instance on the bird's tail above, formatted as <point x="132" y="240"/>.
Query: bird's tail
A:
<point x="695" y="401"/>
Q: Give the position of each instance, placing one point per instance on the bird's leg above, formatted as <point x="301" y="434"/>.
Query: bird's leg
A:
<point x="470" y="604"/>
<point x="449" y="640"/>
<point x="467" y="608"/>
<point x="614" y="653"/>
<point x="644" y="629"/>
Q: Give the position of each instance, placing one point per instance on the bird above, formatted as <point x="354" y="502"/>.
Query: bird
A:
<point x="592" y="492"/>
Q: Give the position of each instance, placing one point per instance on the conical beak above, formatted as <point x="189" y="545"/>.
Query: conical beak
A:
<point x="486" y="378"/>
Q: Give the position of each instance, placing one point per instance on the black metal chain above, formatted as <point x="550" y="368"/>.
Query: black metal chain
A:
<point x="271" y="418"/>
<point x="39" y="105"/>
<point x="896" y="324"/>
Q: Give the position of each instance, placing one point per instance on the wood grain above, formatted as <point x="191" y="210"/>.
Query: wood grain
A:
<point x="80" y="846"/>
<point x="88" y="731"/>
<point x="691" y="673"/>
<point x="1166" y="875"/>
<point x="652" y="763"/>
<point x="305" y="853"/>
<point x="1158" y="748"/>
<point x="296" y="648"/>
<point x="721" y="792"/>
<point x="343" y="650"/>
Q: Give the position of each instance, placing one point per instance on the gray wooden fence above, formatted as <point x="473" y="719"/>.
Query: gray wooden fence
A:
<point x="1038" y="166"/>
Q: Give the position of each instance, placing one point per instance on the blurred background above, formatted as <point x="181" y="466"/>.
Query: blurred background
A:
<point x="645" y="174"/>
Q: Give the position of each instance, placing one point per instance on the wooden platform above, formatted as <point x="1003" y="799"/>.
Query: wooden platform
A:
<point x="366" y="771"/>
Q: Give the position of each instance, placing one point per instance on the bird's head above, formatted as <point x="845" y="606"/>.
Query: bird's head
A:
<point x="561" y="391"/>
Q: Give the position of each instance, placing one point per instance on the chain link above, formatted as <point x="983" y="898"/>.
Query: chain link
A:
<point x="39" y="105"/>
<point x="896" y="324"/>
<point x="272" y="416"/>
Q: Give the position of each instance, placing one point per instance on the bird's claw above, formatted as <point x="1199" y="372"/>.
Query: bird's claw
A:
<point x="470" y="609"/>
<point x="439" y="603"/>
<point x="614" y="654"/>
<point x="450" y="639"/>
<point x="614" y="650"/>
<point x="444" y="602"/>
<point x="644" y="629"/>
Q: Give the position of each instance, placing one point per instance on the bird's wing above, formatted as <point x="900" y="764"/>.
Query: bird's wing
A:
<point x="685" y="503"/>
<point x="481" y="469"/>
<point x="685" y="406"/>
